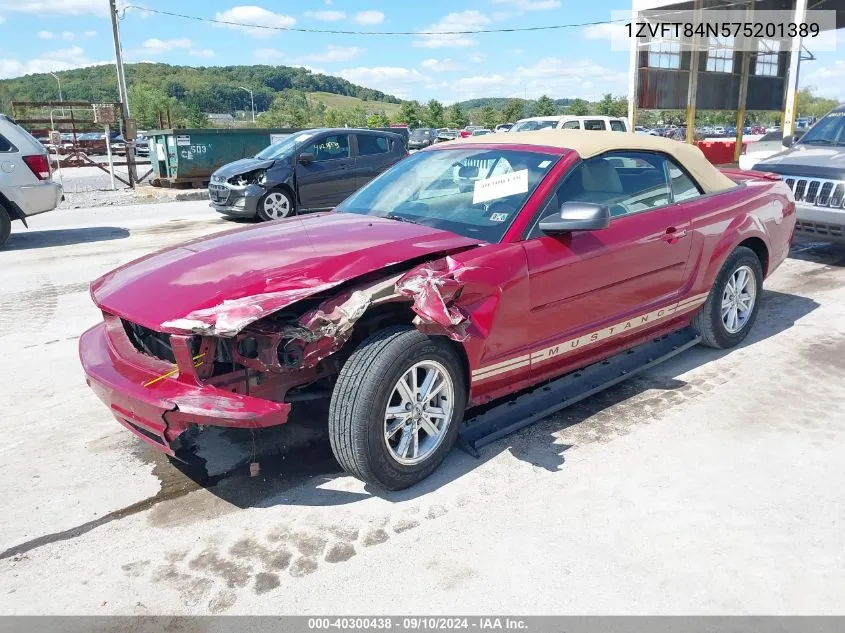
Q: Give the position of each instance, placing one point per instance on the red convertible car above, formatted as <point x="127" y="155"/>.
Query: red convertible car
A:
<point x="469" y="271"/>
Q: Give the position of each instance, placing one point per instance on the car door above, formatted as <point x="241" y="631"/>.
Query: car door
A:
<point x="584" y="284"/>
<point x="330" y="176"/>
<point x="373" y="157"/>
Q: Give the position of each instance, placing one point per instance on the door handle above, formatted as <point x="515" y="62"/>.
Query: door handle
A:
<point x="673" y="234"/>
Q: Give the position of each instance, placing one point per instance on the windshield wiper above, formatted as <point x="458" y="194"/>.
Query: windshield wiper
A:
<point x="818" y="141"/>
<point x="400" y="218"/>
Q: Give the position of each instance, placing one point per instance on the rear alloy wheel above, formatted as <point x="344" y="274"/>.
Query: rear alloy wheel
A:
<point x="733" y="302"/>
<point x="397" y="407"/>
<point x="274" y="205"/>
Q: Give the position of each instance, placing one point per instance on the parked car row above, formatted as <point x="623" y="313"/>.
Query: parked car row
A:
<point x="596" y="123"/>
<point x="676" y="131"/>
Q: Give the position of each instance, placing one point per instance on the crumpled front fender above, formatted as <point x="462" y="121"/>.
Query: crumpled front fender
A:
<point x="451" y="298"/>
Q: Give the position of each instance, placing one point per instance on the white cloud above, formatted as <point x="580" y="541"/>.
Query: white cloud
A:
<point x="46" y="35"/>
<point x="251" y="14"/>
<point x="554" y="76"/>
<point x="615" y="33"/>
<point x="530" y="5"/>
<point x="205" y="53"/>
<point x="462" y="21"/>
<point x="334" y="54"/>
<point x="826" y="81"/>
<point x="441" y="65"/>
<point x="402" y="82"/>
<point x="51" y="61"/>
<point x="68" y="36"/>
<point x="89" y="34"/>
<point x="369" y="17"/>
<point x="331" y="54"/>
<point x="57" y="7"/>
<point x="268" y="55"/>
<point x="155" y="46"/>
<point x="326" y="16"/>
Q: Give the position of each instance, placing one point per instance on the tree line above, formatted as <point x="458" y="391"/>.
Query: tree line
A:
<point x="204" y="89"/>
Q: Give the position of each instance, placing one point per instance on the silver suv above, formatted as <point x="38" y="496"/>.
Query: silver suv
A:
<point x="26" y="177"/>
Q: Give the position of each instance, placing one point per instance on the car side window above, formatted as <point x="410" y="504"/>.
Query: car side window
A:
<point x="571" y="125"/>
<point x="594" y="125"/>
<point x="683" y="187"/>
<point x="329" y="147"/>
<point x="617" y="126"/>
<point x="5" y="145"/>
<point x="627" y="182"/>
<point x="370" y="144"/>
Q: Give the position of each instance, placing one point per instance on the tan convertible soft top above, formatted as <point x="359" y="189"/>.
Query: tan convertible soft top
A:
<point x="588" y="144"/>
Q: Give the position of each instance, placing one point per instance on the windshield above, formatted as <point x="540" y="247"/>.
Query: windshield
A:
<point x="285" y="146"/>
<point x="419" y="134"/>
<point x="829" y="131"/>
<point x="476" y="193"/>
<point x="527" y="126"/>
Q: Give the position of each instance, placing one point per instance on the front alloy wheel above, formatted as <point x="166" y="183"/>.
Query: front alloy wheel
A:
<point x="274" y="205"/>
<point x="419" y="412"/>
<point x="397" y="407"/>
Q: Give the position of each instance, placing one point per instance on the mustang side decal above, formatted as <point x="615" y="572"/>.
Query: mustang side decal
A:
<point x="566" y="347"/>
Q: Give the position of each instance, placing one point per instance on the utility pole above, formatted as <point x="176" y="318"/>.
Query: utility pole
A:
<point x="121" y="89"/>
<point x="59" y="81"/>
<point x="252" y="101"/>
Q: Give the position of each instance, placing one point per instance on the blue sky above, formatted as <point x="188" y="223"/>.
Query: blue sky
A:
<point x="49" y="35"/>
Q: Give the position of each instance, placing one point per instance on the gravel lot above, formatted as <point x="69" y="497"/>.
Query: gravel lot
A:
<point x="712" y="484"/>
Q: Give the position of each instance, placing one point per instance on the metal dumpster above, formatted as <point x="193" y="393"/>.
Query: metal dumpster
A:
<point x="190" y="156"/>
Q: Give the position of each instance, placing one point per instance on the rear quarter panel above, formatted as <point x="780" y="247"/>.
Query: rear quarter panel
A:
<point x="757" y="208"/>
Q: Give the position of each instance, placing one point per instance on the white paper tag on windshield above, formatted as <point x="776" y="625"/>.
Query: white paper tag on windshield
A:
<point x="500" y="186"/>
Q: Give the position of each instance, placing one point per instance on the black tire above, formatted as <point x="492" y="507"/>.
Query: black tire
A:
<point x="708" y="323"/>
<point x="362" y="394"/>
<point x="5" y="225"/>
<point x="264" y="215"/>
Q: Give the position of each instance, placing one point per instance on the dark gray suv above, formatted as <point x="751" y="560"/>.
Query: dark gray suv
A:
<point x="313" y="170"/>
<point x="814" y="168"/>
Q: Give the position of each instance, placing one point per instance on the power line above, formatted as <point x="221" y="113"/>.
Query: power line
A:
<point x="344" y="32"/>
<point x="549" y="27"/>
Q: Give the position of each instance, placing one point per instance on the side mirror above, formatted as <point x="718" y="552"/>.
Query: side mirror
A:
<point x="577" y="216"/>
<point x="468" y="171"/>
<point x="788" y="140"/>
<point x="306" y="159"/>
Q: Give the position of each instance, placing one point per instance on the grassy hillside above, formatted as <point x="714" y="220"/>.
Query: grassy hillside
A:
<point x="344" y="102"/>
<point x="206" y="89"/>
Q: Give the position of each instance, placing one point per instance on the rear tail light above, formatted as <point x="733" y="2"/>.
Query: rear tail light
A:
<point x="39" y="166"/>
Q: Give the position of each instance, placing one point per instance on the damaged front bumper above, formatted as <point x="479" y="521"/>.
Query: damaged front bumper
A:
<point x="160" y="413"/>
<point x="229" y="199"/>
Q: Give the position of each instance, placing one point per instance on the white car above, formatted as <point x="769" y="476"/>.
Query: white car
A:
<point x="26" y="177"/>
<point x="571" y="122"/>
<point x="767" y="145"/>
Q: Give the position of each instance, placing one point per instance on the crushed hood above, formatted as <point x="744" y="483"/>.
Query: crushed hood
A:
<point x="242" y="166"/>
<point x="220" y="284"/>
